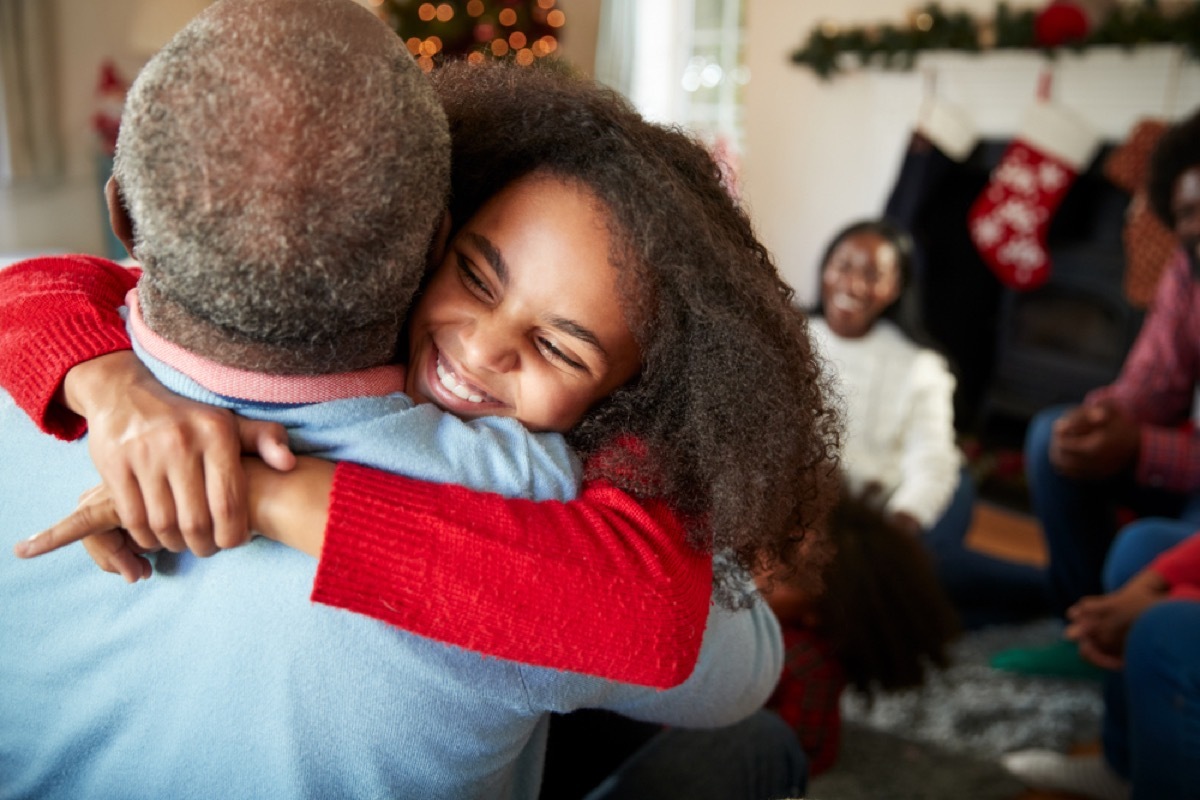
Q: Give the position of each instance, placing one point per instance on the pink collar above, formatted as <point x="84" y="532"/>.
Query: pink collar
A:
<point x="261" y="387"/>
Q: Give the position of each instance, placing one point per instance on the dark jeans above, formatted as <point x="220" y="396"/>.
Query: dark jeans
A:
<point x="1151" y="727"/>
<point x="757" y="759"/>
<point x="986" y="590"/>
<point x="1079" y="517"/>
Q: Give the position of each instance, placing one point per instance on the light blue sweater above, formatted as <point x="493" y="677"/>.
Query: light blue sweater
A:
<point x="218" y="677"/>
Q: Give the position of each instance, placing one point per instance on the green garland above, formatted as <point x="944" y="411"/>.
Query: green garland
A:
<point x="931" y="28"/>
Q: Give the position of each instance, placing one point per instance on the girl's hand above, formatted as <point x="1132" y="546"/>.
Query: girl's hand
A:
<point x="96" y="524"/>
<point x="172" y="466"/>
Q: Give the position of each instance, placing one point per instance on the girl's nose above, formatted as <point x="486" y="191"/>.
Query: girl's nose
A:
<point x="488" y="346"/>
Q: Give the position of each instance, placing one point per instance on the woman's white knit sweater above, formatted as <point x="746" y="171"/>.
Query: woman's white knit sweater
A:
<point x="899" y="417"/>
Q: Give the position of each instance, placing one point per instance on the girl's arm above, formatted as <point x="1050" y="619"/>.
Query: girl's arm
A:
<point x="55" y="313"/>
<point x="602" y="585"/>
<point x="625" y="594"/>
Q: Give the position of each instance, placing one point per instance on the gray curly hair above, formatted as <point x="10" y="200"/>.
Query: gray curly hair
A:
<point x="284" y="164"/>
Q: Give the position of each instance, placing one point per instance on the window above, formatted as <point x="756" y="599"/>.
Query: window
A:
<point x="680" y="62"/>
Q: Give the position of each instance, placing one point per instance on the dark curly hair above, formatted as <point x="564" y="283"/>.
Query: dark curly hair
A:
<point x="1177" y="151"/>
<point x="731" y="413"/>
<point x="883" y="607"/>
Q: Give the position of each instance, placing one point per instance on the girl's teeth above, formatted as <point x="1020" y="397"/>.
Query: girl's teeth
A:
<point x="460" y="390"/>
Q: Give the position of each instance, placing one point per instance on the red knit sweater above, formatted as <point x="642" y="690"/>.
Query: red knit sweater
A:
<point x="601" y="585"/>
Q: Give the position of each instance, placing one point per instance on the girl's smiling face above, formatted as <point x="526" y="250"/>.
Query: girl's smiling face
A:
<point x="523" y="317"/>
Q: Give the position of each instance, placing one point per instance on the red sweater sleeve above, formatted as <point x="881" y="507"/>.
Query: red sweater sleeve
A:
<point x="57" y="312"/>
<point x="1180" y="568"/>
<point x="603" y="584"/>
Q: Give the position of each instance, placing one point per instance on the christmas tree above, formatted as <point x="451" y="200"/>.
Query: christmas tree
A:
<point x="523" y="30"/>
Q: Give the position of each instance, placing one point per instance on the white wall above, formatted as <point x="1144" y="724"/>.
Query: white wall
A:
<point x="89" y="32"/>
<point x="578" y="46"/>
<point x="819" y="154"/>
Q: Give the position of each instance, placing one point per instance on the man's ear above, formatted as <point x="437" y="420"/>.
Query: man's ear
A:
<point x="118" y="215"/>
<point x="440" y="239"/>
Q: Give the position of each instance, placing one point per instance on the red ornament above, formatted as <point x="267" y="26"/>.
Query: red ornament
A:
<point x="1064" y="22"/>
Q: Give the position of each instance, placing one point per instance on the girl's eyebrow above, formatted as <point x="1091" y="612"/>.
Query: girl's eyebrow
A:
<point x="493" y="255"/>
<point x="570" y="327"/>
<point x="577" y="331"/>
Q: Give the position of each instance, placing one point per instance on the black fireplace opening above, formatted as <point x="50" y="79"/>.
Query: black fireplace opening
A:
<point x="1017" y="352"/>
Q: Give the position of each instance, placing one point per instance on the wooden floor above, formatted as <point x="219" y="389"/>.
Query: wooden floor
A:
<point x="1007" y="534"/>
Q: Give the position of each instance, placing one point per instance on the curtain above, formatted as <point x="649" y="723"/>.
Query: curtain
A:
<point x="615" y="44"/>
<point x="30" y="144"/>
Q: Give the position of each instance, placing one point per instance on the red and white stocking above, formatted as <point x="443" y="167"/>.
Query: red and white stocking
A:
<point x="1008" y="222"/>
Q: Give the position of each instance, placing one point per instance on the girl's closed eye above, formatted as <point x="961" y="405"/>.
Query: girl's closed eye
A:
<point x="553" y="353"/>
<point x="470" y="277"/>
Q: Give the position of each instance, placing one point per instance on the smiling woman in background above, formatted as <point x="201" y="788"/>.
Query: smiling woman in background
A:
<point x="900" y="435"/>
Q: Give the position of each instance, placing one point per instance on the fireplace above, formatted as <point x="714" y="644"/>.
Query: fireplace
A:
<point x="1018" y="352"/>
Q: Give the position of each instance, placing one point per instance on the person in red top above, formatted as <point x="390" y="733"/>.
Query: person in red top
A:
<point x="616" y="583"/>
<point x="1146" y="632"/>
<point x="1132" y="445"/>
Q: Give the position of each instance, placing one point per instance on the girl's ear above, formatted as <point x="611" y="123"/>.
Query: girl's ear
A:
<point x="118" y="215"/>
<point x="440" y="239"/>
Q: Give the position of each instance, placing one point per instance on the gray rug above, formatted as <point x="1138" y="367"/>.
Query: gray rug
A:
<point x="942" y="742"/>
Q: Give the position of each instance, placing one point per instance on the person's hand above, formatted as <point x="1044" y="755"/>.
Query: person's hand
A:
<point x="1101" y="623"/>
<point x="1094" y="441"/>
<point x="95" y="523"/>
<point x="291" y="507"/>
<point x="172" y="466"/>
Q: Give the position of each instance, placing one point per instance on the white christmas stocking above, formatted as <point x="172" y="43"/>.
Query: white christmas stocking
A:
<point x="1008" y="222"/>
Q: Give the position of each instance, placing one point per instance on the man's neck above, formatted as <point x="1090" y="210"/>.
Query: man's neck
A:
<point x="356" y="350"/>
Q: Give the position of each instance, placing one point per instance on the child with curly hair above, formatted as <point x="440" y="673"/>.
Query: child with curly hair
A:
<point x="878" y="623"/>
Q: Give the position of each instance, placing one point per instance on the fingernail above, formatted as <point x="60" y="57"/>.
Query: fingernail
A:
<point x="25" y="547"/>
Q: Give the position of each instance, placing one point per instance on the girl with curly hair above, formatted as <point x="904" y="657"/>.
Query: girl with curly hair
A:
<point x="722" y="440"/>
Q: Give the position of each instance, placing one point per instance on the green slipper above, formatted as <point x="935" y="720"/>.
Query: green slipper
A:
<point x="1058" y="660"/>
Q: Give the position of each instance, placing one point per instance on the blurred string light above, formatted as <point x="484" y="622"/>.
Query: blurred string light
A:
<point x="522" y="30"/>
<point x="706" y="73"/>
